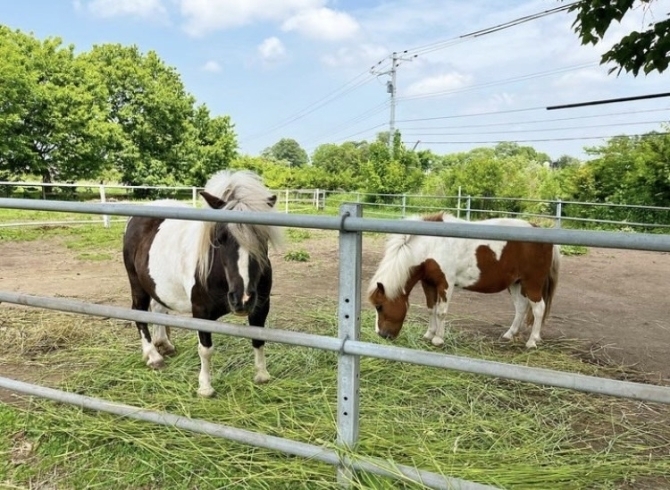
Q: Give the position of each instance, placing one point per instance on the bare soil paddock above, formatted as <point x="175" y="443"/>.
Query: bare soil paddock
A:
<point x="615" y="301"/>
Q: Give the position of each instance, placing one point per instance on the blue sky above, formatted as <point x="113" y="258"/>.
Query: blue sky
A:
<point x="267" y="62"/>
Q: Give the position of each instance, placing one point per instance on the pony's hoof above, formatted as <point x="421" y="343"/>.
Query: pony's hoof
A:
<point x="531" y="344"/>
<point x="262" y="377"/>
<point x="165" y="349"/>
<point x="508" y="336"/>
<point x="206" y="391"/>
<point x="437" y="341"/>
<point x="158" y="364"/>
<point x="428" y="336"/>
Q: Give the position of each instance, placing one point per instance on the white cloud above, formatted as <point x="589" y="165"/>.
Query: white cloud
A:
<point x="438" y="83"/>
<point x="145" y="9"/>
<point x="323" y="23"/>
<point x="359" y="55"/>
<point x="212" y="66"/>
<point x="203" y="16"/>
<point x="271" y="50"/>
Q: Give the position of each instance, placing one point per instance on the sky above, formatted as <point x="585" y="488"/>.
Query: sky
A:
<point x="302" y="68"/>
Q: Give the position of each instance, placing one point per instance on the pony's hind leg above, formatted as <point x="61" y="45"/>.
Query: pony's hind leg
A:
<point x="149" y="353"/>
<point x="520" y="308"/>
<point x="162" y="333"/>
<point x="205" y="350"/>
<point x="538" y="313"/>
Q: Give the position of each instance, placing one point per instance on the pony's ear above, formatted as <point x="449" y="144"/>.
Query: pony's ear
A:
<point x="380" y="286"/>
<point x="272" y="200"/>
<point x="213" y="201"/>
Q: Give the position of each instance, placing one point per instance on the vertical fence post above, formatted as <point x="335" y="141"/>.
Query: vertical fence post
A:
<point x="458" y="203"/>
<point x="194" y="196"/>
<point x="404" y="205"/>
<point x="103" y="199"/>
<point x="468" y="204"/>
<point x="349" y="319"/>
<point x="559" y="213"/>
<point x="286" y="202"/>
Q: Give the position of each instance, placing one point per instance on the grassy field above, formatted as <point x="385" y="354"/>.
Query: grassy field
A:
<point x="508" y="434"/>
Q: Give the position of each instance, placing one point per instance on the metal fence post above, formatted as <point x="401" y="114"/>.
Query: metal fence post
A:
<point x="468" y="203"/>
<point x="349" y="319"/>
<point x="458" y="203"/>
<point x="404" y="205"/>
<point x="103" y="199"/>
<point x="559" y="212"/>
<point x="194" y="196"/>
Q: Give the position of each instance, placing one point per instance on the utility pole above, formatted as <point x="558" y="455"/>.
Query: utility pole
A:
<point x="391" y="89"/>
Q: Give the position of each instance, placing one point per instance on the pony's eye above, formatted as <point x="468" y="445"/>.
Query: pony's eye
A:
<point x="378" y="307"/>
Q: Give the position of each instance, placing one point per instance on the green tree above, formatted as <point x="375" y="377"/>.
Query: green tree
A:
<point x="148" y="102"/>
<point x="53" y="120"/>
<point x="386" y="174"/>
<point x="210" y="146"/>
<point x="647" y="50"/>
<point x="287" y="150"/>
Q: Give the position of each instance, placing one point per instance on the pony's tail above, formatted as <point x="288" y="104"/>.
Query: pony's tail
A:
<point x="549" y="288"/>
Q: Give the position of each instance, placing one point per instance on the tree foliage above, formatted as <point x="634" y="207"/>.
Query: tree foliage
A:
<point x="112" y="111"/>
<point x="287" y="150"/>
<point x="647" y="50"/>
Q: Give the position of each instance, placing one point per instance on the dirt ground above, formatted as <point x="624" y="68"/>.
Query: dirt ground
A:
<point x="614" y="300"/>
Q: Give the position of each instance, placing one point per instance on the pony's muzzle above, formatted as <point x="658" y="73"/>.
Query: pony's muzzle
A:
<point x="241" y="306"/>
<point x="386" y="335"/>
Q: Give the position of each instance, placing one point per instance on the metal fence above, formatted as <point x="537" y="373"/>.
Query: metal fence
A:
<point x="560" y="212"/>
<point x="350" y="224"/>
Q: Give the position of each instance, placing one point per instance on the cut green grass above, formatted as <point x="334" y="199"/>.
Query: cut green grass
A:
<point x="297" y="256"/>
<point x="571" y="250"/>
<point x="509" y="434"/>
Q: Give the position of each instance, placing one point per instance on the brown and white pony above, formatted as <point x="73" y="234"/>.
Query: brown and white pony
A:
<point x="206" y="269"/>
<point x="528" y="270"/>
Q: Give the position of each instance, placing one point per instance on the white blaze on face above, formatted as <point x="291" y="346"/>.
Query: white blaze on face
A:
<point x="243" y="269"/>
<point x="376" y="321"/>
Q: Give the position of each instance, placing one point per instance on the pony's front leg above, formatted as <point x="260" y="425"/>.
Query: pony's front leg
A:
<point x="432" y="324"/>
<point x="257" y="319"/>
<point x="205" y="350"/>
<point x="441" y="309"/>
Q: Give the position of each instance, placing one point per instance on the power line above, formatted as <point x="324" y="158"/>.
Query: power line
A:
<point x="413" y="53"/>
<point x="536" y="121"/>
<point x="373" y="111"/>
<point x="541" y="130"/>
<point x="528" y="76"/>
<point x="609" y="101"/>
<point x="475" y="114"/>
<point x="434" y="46"/>
<point x="348" y="87"/>
<point x="576" y="138"/>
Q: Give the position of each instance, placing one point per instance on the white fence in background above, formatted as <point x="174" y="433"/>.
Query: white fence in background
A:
<point x="375" y="205"/>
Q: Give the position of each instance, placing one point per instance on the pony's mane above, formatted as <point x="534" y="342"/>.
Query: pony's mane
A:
<point x="242" y="190"/>
<point x="396" y="265"/>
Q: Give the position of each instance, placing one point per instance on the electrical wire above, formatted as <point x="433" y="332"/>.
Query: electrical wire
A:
<point x="348" y="87"/>
<point x="576" y="138"/>
<point x="536" y="121"/>
<point x="343" y="126"/>
<point x="541" y="130"/>
<point x="520" y="78"/>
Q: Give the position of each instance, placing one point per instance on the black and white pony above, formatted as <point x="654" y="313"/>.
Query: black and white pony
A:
<point x="206" y="269"/>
